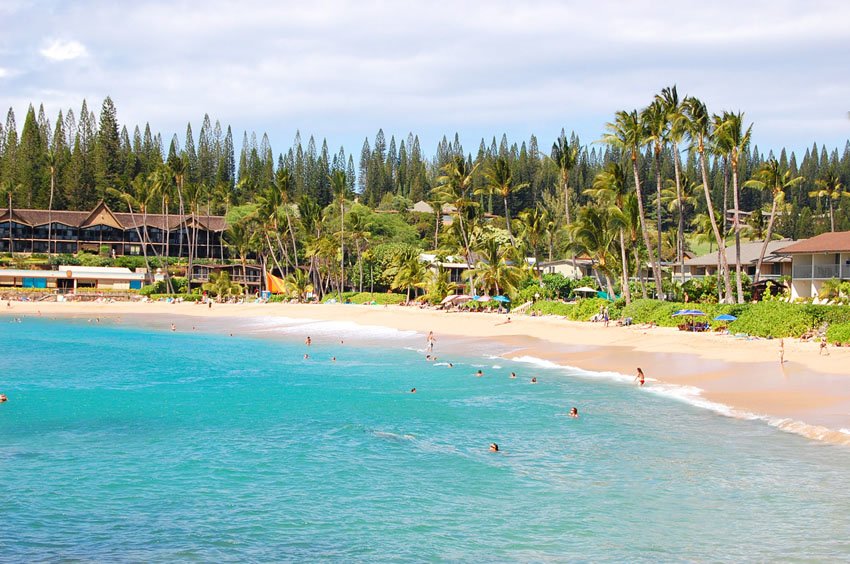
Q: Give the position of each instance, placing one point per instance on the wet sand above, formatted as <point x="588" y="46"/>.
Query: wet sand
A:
<point x="809" y="394"/>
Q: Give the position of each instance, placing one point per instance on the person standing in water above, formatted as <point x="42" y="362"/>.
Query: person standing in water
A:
<point x="430" y="342"/>
<point x="308" y="341"/>
<point x="574" y="412"/>
<point x="640" y="377"/>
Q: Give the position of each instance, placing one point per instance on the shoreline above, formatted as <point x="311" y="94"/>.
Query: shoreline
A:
<point x="808" y="395"/>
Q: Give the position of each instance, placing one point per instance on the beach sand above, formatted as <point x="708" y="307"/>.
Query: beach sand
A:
<point x="809" y="394"/>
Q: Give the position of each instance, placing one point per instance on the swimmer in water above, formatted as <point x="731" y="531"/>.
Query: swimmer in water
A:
<point x="640" y="377"/>
<point x="479" y="374"/>
<point x="306" y="356"/>
<point x="534" y="379"/>
<point x="333" y="359"/>
<point x="574" y="413"/>
<point x="308" y="341"/>
<point x="513" y="374"/>
<point x="494" y="447"/>
<point x="450" y="365"/>
<point x="173" y="328"/>
<point x="412" y="390"/>
<point x="3" y="398"/>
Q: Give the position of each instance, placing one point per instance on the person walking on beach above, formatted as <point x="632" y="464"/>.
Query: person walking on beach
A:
<point x="640" y="377"/>
<point x="781" y="351"/>
<point x="823" y="347"/>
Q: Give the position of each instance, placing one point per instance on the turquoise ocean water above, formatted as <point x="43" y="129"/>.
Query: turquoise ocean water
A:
<point x="134" y="444"/>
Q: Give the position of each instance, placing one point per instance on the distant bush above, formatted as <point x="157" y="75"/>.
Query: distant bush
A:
<point x="839" y="333"/>
<point x="380" y="298"/>
<point x="546" y="307"/>
<point x="776" y="319"/>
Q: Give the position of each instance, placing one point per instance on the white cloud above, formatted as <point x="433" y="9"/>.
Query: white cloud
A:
<point x="63" y="50"/>
<point x="3" y="72"/>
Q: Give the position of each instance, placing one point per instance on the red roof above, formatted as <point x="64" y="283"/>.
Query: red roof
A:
<point x="824" y="243"/>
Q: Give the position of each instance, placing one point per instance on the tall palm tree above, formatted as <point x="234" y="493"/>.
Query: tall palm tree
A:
<point x="359" y="227"/>
<point x="674" y="108"/>
<point x="678" y="199"/>
<point x="594" y="233"/>
<point x="627" y="132"/>
<point x="285" y="184"/>
<point x="831" y="188"/>
<point x="500" y="183"/>
<point x="339" y="187"/>
<point x="534" y="223"/>
<point x="773" y="178"/>
<point x="138" y="198"/>
<point x="238" y="238"/>
<point x="454" y="186"/>
<point x="409" y="272"/>
<point x="7" y="190"/>
<point x="656" y="123"/>
<point x="699" y="129"/>
<point x="269" y="203"/>
<point x="311" y="219"/>
<point x="52" y="163"/>
<point x="611" y="188"/>
<point x="565" y="157"/>
<point x="497" y="268"/>
<point x="298" y="282"/>
<point x="732" y="139"/>
<point x="178" y="170"/>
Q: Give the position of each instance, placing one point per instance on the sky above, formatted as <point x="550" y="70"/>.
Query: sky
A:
<point x="341" y="70"/>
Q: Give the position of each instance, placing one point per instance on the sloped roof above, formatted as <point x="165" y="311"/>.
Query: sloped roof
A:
<point x="102" y="215"/>
<point x="824" y="243"/>
<point x="749" y="254"/>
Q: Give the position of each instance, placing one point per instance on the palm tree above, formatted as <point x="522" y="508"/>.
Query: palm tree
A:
<point x="359" y="228"/>
<point x="831" y="188"/>
<point x="138" y="199"/>
<point x="453" y="187"/>
<point x="627" y="132"/>
<point x="178" y="170"/>
<point x="610" y="188"/>
<point x="311" y="219"/>
<point x="534" y="223"/>
<point x="771" y="177"/>
<point x="565" y="157"/>
<point x="678" y="198"/>
<point x="594" y="233"/>
<point x="8" y="189"/>
<point x="298" y="282"/>
<point x="669" y="98"/>
<point x="656" y="123"/>
<point x="220" y="285"/>
<point x="500" y="183"/>
<point x="497" y="268"/>
<point x="161" y="185"/>
<point x="238" y="238"/>
<point x="732" y="139"/>
<point x="52" y="162"/>
<point x="286" y="185"/>
<point x="339" y="187"/>
<point x="409" y="272"/>
<point x="269" y="202"/>
<point x="699" y="130"/>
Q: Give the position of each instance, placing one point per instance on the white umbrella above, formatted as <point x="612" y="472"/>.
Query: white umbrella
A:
<point x="585" y="290"/>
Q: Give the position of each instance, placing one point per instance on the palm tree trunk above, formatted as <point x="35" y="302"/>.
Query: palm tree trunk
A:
<point x="737" y="225"/>
<point x="639" y="272"/>
<point x="658" y="206"/>
<point x="721" y="246"/>
<point x="11" y="237"/>
<point x="626" y="290"/>
<point x="508" y="222"/>
<point x="656" y="272"/>
<point x="341" y="247"/>
<point x="680" y="250"/>
<point x="360" y="262"/>
<point x="50" y="211"/>
<point x="766" y="241"/>
<point x="831" y="215"/>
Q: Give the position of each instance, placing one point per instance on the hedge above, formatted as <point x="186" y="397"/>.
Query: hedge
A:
<point x="839" y="333"/>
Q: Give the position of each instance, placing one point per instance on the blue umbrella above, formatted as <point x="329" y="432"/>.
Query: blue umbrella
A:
<point x="502" y="299"/>
<point x="688" y="312"/>
<point x="725" y="317"/>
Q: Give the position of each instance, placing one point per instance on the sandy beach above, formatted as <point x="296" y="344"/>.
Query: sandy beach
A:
<point x="809" y="394"/>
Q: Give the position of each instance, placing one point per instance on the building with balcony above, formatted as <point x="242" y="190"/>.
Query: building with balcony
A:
<point x="773" y="267"/>
<point x="250" y="276"/>
<point x="58" y="231"/>
<point x="816" y="260"/>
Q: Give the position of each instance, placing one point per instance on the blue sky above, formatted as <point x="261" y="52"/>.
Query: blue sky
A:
<point x="341" y="70"/>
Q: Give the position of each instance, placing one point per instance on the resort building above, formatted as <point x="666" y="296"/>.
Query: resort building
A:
<point x="250" y="276"/>
<point x="57" y="232"/>
<point x="773" y="267"/>
<point x="816" y="260"/>
<point x="70" y="278"/>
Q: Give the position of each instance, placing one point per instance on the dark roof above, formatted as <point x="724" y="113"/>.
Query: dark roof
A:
<point x="824" y="243"/>
<point x="125" y="220"/>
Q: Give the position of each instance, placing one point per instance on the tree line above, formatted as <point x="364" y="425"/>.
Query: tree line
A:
<point x="658" y="179"/>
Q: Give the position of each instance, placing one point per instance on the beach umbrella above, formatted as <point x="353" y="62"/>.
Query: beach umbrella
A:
<point x="725" y="317"/>
<point x="448" y="299"/>
<point x="484" y="298"/>
<point x="695" y="312"/>
<point x="584" y="290"/>
<point x="502" y="299"/>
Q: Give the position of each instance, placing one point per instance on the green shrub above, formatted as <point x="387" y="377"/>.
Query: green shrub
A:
<point x="547" y="307"/>
<point x="380" y="298"/>
<point x="838" y="333"/>
<point x="776" y="319"/>
<point x="186" y="297"/>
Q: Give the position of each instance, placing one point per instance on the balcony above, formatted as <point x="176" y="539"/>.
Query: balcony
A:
<point x="820" y="271"/>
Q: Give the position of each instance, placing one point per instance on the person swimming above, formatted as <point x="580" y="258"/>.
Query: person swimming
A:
<point x="534" y="379"/>
<point x="513" y="374"/>
<point x="450" y="365"/>
<point x="494" y="447"/>
<point x="308" y="341"/>
<point x="306" y="356"/>
<point x="412" y="390"/>
<point x="3" y="398"/>
<point x="574" y="412"/>
<point x="480" y="373"/>
<point x="333" y="359"/>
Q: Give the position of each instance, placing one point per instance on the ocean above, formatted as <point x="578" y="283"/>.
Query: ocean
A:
<point x="129" y="442"/>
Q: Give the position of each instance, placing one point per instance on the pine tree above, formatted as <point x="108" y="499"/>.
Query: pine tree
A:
<point x="108" y="165"/>
<point x="190" y="156"/>
<point x="9" y="166"/>
<point x="32" y="166"/>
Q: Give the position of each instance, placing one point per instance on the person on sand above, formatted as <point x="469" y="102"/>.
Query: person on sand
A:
<point x="640" y="377"/>
<point x="494" y="447"/>
<point x="534" y="379"/>
<point x="513" y="375"/>
<point x="574" y="413"/>
<point x="823" y="349"/>
<point x="308" y="341"/>
<point x="781" y="351"/>
<point x="505" y="322"/>
<point x="480" y="373"/>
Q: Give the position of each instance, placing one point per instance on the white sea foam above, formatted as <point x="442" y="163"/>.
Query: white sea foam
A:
<point x="319" y="329"/>
<point x="693" y="396"/>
